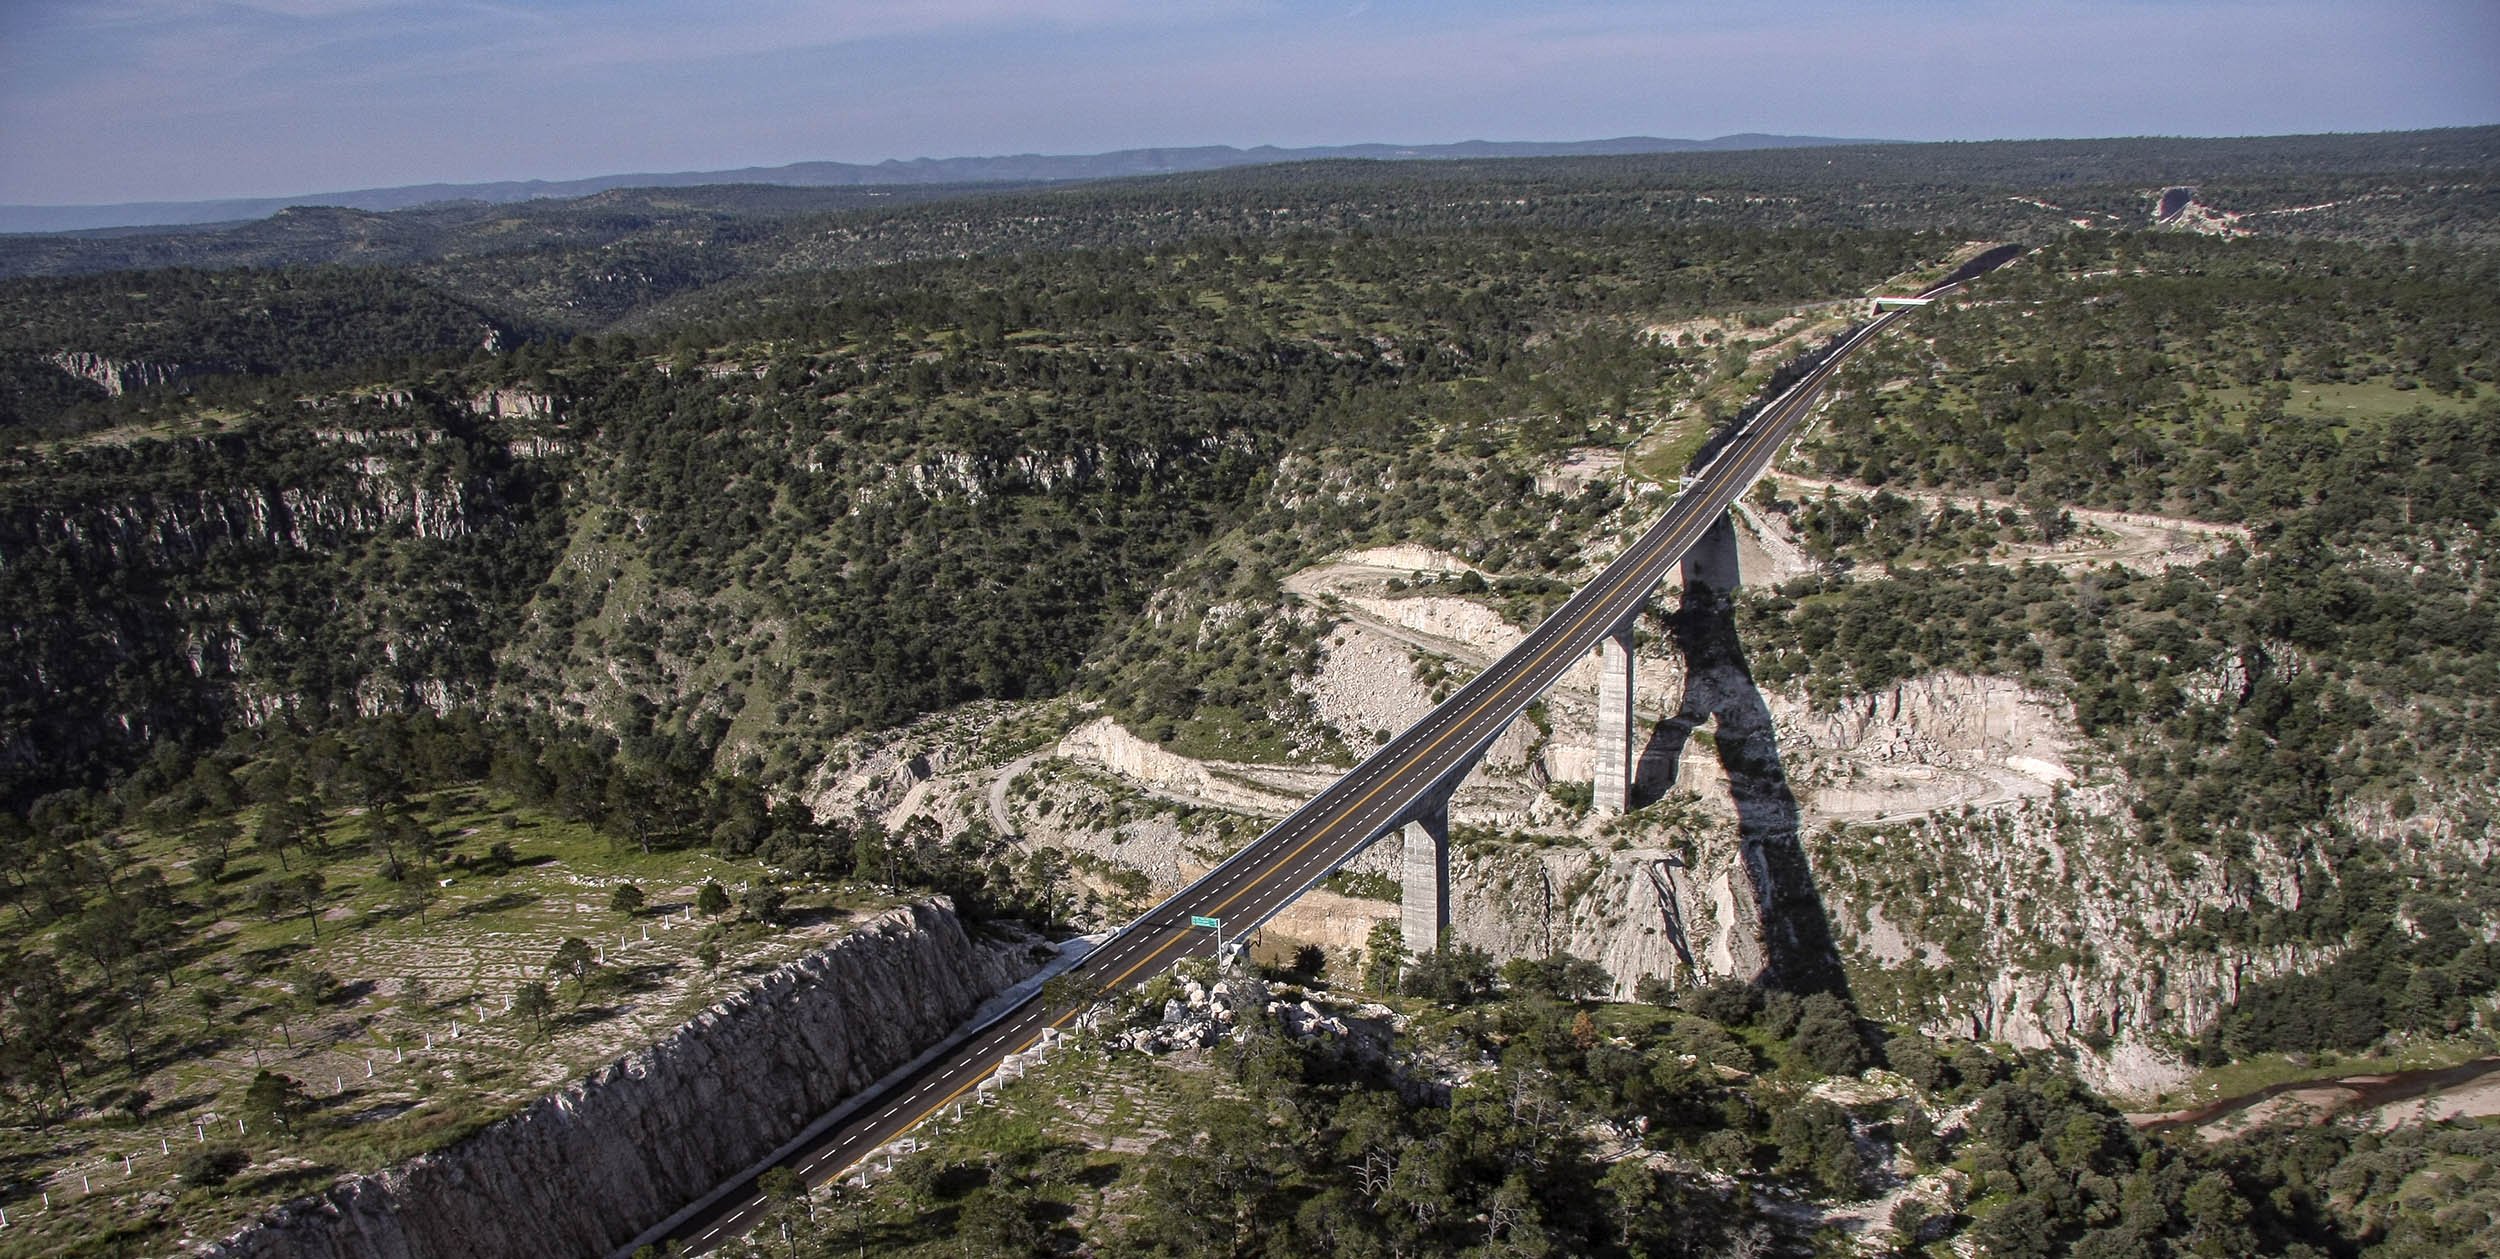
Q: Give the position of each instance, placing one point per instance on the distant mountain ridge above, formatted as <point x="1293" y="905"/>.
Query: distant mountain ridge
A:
<point x="1021" y="168"/>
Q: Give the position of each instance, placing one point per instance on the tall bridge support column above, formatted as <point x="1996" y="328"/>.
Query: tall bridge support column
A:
<point x="1424" y="906"/>
<point x="1613" y="745"/>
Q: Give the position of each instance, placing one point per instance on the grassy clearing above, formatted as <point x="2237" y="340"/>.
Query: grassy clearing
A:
<point x="1228" y="734"/>
<point x="192" y="422"/>
<point x="2359" y="402"/>
<point x="408" y="1045"/>
<point x="1662" y="456"/>
<point x="2250" y="1075"/>
<point x="1919" y="279"/>
<point x="1742" y="369"/>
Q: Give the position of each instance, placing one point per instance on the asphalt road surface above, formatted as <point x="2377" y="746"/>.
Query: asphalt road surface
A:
<point x="1339" y="822"/>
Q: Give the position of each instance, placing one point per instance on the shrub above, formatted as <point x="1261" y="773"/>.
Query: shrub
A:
<point x="1780" y="1012"/>
<point x="1654" y="990"/>
<point x="1827" y="1036"/>
<point x="1726" y="1002"/>
<point x="1917" y="1060"/>
<point x="765" y="904"/>
<point x="209" y="1166"/>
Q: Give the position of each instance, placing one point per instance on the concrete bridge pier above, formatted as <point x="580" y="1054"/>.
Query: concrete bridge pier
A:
<point x="1424" y="908"/>
<point x="1614" y="745"/>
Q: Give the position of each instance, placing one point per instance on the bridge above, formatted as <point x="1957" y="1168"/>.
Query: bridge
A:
<point x="1404" y="788"/>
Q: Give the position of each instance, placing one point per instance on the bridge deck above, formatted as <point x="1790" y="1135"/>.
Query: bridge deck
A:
<point x="1413" y="772"/>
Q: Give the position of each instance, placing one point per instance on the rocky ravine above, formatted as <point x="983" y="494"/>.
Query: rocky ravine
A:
<point x="585" y="1169"/>
<point x="1757" y="791"/>
<point x="1945" y="835"/>
<point x="1673" y="897"/>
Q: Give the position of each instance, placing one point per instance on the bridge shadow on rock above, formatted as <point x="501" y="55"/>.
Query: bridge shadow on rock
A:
<point x="1799" y="953"/>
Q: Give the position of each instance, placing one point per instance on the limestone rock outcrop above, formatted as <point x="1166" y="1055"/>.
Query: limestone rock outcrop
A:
<point x="585" y="1169"/>
<point x="1105" y="742"/>
<point x="116" y="376"/>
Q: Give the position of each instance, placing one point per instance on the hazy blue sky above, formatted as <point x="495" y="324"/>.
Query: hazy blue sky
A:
<point x="118" y="100"/>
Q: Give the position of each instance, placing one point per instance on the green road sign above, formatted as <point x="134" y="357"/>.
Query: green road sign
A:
<point x="1199" y="920"/>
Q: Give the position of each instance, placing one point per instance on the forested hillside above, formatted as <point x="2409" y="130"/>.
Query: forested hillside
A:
<point x="760" y="525"/>
<point x="1721" y="1124"/>
<point x="790" y="540"/>
<point x="628" y="257"/>
<point x="2309" y="720"/>
<point x="74" y="347"/>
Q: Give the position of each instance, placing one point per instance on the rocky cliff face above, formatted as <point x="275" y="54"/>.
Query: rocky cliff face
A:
<point x="1936" y="834"/>
<point x="177" y="585"/>
<point x="116" y="376"/>
<point x="584" y="1170"/>
<point x="156" y="529"/>
<point x="1105" y="742"/>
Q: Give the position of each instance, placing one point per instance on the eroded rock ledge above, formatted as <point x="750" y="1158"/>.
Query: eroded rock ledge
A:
<point x="583" y="1170"/>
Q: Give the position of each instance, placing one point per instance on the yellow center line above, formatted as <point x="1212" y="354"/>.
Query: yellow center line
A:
<point x="1425" y="753"/>
<point x="1539" y="660"/>
<point x="1596" y="604"/>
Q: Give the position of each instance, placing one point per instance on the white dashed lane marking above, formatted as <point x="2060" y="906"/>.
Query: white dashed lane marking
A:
<point x="1419" y="756"/>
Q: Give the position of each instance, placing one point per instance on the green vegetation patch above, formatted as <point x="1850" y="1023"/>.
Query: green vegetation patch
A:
<point x="310" y="954"/>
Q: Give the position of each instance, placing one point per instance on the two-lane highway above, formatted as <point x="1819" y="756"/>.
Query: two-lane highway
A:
<point x="1333" y="826"/>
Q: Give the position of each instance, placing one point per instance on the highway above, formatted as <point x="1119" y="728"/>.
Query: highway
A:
<point x="1277" y="867"/>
